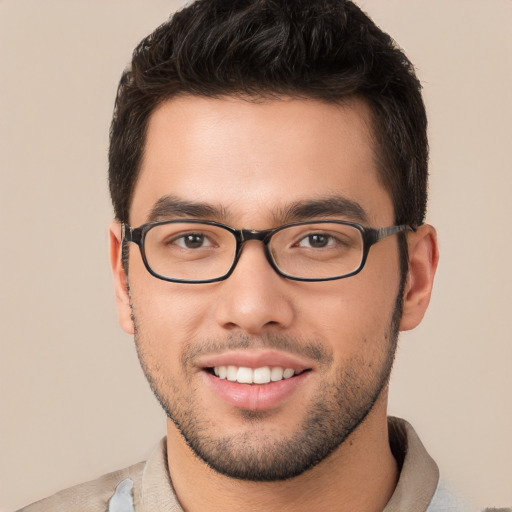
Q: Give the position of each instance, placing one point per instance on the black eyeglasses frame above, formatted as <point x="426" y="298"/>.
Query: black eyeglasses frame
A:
<point x="370" y="237"/>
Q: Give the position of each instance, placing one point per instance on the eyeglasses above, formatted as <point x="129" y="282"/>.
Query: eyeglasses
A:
<point x="200" y="251"/>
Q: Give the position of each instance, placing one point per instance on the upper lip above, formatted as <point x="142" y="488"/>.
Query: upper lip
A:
<point x="255" y="359"/>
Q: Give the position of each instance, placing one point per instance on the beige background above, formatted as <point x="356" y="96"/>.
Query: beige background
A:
<point x="74" y="403"/>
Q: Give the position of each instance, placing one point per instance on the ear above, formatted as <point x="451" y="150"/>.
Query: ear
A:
<point x="423" y="258"/>
<point x="124" y="312"/>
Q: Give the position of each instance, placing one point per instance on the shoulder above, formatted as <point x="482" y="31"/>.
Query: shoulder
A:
<point x="448" y="500"/>
<point x="92" y="496"/>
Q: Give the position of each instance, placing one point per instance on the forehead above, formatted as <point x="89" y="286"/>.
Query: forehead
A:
<point x="249" y="158"/>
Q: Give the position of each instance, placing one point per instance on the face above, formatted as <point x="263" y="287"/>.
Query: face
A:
<point x="258" y="166"/>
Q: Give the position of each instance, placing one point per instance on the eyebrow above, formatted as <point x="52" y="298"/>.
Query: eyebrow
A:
<point x="169" y="207"/>
<point x="330" y="206"/>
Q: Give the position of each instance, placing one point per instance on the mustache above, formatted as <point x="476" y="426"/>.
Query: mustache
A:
<point x="312" y="349"/>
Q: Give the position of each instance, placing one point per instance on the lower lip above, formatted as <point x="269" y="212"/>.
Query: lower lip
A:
<point x="255" y="397"/>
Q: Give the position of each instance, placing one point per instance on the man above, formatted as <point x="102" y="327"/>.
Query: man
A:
<point x="268" y="170"/>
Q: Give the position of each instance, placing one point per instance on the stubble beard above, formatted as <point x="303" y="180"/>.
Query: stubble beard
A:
<point x="338" y="408"/>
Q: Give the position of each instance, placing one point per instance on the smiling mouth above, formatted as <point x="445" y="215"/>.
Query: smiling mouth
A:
<point x="262" y="375"/>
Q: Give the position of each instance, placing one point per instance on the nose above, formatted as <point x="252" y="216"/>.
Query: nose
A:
<point x="254" y="298"/>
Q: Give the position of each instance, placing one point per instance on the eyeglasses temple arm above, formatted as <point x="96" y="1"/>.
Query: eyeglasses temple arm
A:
<point x="128" y="234"/>
<point x="391" y="230"/>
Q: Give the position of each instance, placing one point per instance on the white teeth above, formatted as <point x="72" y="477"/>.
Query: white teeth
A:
<point x="288" y="373"/>
<point x="276" y="374"/>
<point x="261" y="375"/>
<point x="231" y="373"/>
<point x="245" y="375"/>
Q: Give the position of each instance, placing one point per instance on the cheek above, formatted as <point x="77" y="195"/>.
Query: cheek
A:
<point x="167" y="315"/>
<point x="353" y="315"/>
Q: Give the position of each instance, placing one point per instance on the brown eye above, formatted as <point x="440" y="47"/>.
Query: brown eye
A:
<point x="316" y="241"/>
<point x="192" y="241"/>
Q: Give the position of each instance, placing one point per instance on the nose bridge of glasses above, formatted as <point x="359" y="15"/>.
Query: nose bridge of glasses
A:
<point x="254" y="234"/>
<point x="248" y="235"/>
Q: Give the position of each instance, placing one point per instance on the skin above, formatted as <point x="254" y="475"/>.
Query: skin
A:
<point x="251" y="161"/>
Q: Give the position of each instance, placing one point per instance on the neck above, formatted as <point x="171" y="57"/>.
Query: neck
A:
<point x="361" y="474"/>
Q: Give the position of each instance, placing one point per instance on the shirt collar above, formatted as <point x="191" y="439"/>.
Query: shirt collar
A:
<point x="419" y="473"/>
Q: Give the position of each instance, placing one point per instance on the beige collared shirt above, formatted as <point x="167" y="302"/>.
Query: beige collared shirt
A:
<point x="146" y="487"/>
